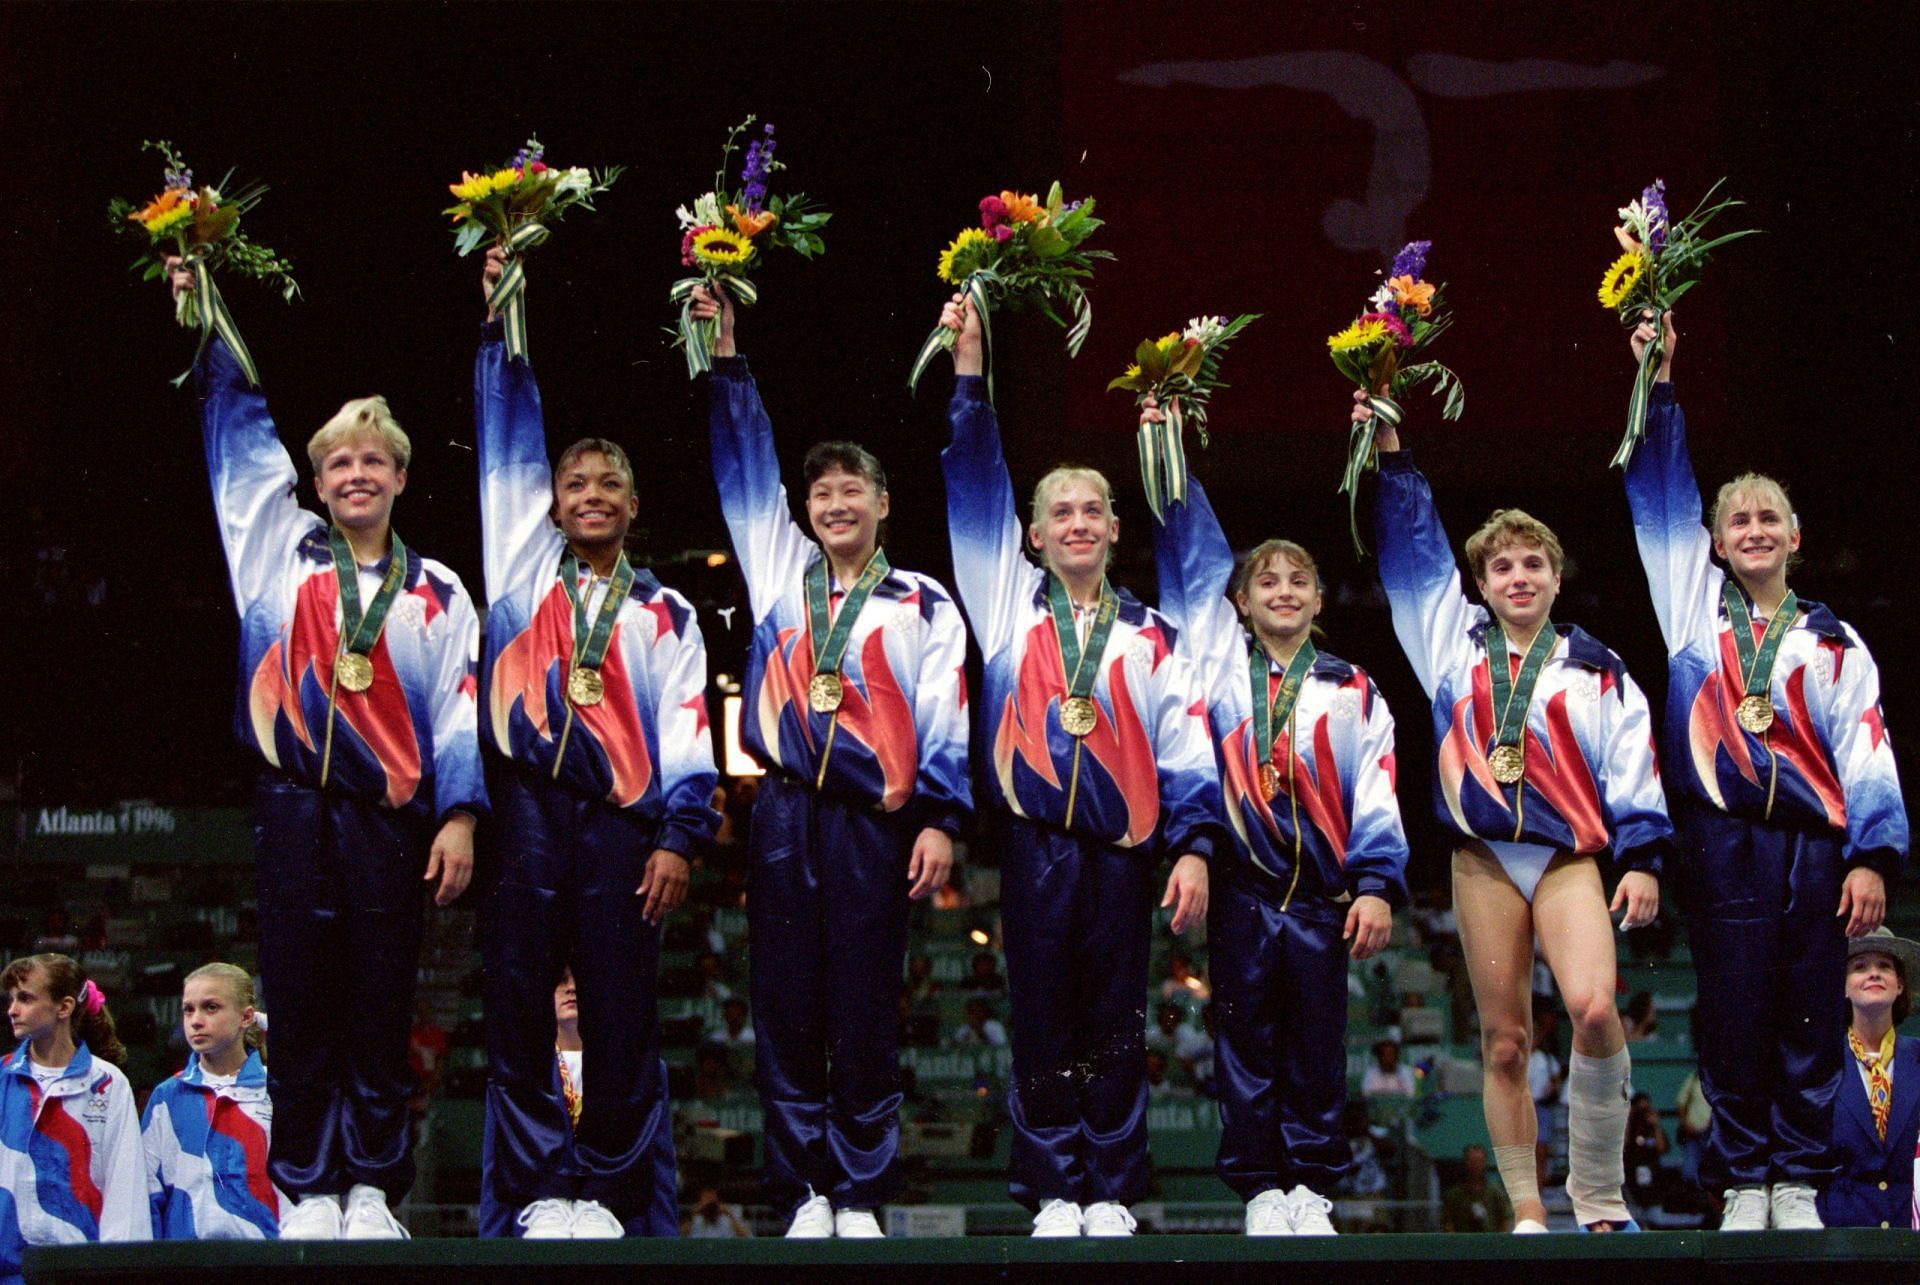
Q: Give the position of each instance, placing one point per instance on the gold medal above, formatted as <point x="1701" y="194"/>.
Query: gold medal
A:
<point x="1507" y="763"/>
<point x="1755" y="713"/>
<point x="584" y="686"/>
<point x="355" y="671"/>
<point x="1078" y="714"/>
<point x="1270" y="781"/>
<point x="825" y="692"/>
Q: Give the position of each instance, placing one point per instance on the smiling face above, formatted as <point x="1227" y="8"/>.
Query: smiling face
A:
<point x="32" y="1010"/>
<point x="593" y="500"/>
<point x="1519" y="585"/>
<point x="1754" y="530"/>
<point x="845" y="510"/>
<point x="1074" y="529"/>
<point x="358" y="480"/>
<point x="1873" y="981"/>
<point x="1281" y="599"/>
<point x="211" y="1019"/>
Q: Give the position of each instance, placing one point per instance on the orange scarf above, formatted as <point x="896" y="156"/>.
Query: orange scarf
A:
<point x="1879" y="1078"/>
<point x="571" y="1092"/>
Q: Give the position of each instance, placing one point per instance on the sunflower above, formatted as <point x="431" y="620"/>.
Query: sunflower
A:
<point x="719" y="248"/>
<point x="1024" y="207"/>
<point x="1361" y="334"/>
<point x="472" y="187"/>
<point x="1623" y="278"/>
<point x="751" y="223"/>
<point x="166" y="211"/>
<point x="967" y="255"/>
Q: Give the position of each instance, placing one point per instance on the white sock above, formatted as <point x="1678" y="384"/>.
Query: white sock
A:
<point x="1597" y="1090"/>
<point x="1517" y="1173"/>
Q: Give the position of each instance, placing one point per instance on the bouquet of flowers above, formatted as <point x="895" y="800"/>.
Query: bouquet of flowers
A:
<point x="1023" y="254"/>
<point x="1660" y="260"/>
<point x="202" y="226"/>
<point x="1181" y="371"/>
<point x="514" y="206"/>
<point x="725" y="230"/>
<point x="1403" y="316"/>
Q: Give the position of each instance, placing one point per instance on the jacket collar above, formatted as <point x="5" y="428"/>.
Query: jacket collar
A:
<point x="253" y="1072"/>
<point x="19" y="1063"/>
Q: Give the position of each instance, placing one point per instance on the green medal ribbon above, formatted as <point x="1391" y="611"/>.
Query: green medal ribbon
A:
<point x="214" y="316"/>
<point x="1756" y="662"/>
<point x="590" y="645"/>
<point x="1080" y="675"/>
<point x="346" y="573"/>
<point x="1512" y="698"/>
<point x="508" y="297"/>
<point x="1271" y="714"/>
<point x="696" y="336"/>
<point x="830" y="644"/>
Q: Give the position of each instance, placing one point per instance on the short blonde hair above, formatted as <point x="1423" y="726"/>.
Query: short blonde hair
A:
<point x="361" y="417"/>
<point x="1753" y="486"/>
<point x="1507" y="527"/>
<point x="1063" y="476"/>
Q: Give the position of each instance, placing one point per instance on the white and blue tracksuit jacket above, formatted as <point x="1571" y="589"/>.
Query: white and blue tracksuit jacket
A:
<point x="206" y="1151"/>
<point x="1826" y="762"/>
<point x="1337" y="769"/>
<point x="1146" y="770"/>
<point x="70" y="1164"/>
<point x="1592" y="781"/>
<point x="901" y="739"/>
<point x="408" y="741"/>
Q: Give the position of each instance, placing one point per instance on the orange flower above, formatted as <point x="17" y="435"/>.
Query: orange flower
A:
<point x="1024" y="207"/>
<point x="160" y="206"/>
<point x="751" y="223"/>
<point x="1418" y="293"/>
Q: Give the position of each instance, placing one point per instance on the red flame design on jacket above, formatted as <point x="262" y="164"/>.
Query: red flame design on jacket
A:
<point x="1555" y="767"/>
<point x="1711" y="727"/>
<point x="873" y="710"/>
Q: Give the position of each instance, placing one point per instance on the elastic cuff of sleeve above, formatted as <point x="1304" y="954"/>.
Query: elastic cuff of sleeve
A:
<point x="734" y="367"/>
<point x="1199" y="845"/>
<point x="1663" y="394"/>
<point x="1395" y="895"/>
<point x="1400" y="461"/>
<point x="1883" y="861"/>
<point x="945" y="818"/>
<point x="1650" y="859"/>
<point x="494" y="331"/>
<point x="479" y="811"/>
<point x="969" y="388"/>
<point x="684" y="840"/>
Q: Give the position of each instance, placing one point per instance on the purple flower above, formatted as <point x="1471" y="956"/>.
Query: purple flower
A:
<point x="528" y="155"/>
<point x="1654" y="202"/>
<point x="753" y="176"/>
<point x="1411" y="261"/>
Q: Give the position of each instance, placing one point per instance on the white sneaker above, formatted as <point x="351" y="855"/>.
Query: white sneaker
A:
<point x="857" y="1224"/>
<point x="594" y="1221"/>
<point x="314" y="1218"/>
<point x="1267" y="1214"/>
<point x="1746" y="1209"/>
<point x="813" y="1220"/>
<point x="368" y="1217"/>
<point x="1793" y="1207"/>
<point x="549" y="1219"/>
<point x="1308" y="1210"/>
<point x="1058" y="1218"/>
<point x="1529" y="1227"/>
<point x="1109" y="1218"/>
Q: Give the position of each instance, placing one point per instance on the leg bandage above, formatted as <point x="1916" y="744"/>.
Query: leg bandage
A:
<point x="1597" y="1089"/>
<point x="1517" y="1173"/>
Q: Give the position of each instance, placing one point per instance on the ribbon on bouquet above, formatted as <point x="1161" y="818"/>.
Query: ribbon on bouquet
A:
<point x="697" y="336"/>
<point x="211" y="310"/>
<point x="1163" y="458"/>
<point x="1361" y="458"/>
<point x="508" y="298"/>
<point x="975" y="288"/>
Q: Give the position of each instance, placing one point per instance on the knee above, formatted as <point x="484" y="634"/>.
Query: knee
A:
<point x="1592" y="1014"/>
<point x="1504" y="1050"/>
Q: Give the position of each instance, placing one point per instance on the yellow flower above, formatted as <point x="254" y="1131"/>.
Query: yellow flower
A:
<point x="1024" y="207"/>
<point x="166" y="211"/>
<point x="1133" y="371"/>
<point x="718" y="247"/>
<point x="1618" y="285"/>
<point x="1360" y="334"/>
<point x="472" y="187"/>
<point x="967" y="254"/>
<point x="505" y="178"/>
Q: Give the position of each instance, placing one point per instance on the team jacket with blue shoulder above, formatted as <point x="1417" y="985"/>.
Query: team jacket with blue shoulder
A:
<point x="206" y="1151"/>
<point x="1826" y="761"/>
<point x="408" y="741"/>
<point x="1336" y="805"/>
<point x="1592" y="780"/>
<point x="70" y="1165"/>
<point x="1147" y="765"/>
<point x="901" y="739"/>
<point x="646" y="746"/>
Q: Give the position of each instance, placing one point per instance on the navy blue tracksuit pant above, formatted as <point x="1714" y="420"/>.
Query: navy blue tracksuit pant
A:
<point x="561" y="893"/>
<point x="1076" y="916"/>
<point x="1280" y="1036"/>
<point x="1772" y="959"/>
<point x="341" y="899"/>
<point x="827" y="917"/>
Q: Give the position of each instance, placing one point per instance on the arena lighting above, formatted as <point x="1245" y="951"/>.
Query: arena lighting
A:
<point x="979" y="936"/>
<point x="737" y="761"/>
<point x="727" y="683"/>
<point x="1193" y="984"/>
<point x="716" y="559"/>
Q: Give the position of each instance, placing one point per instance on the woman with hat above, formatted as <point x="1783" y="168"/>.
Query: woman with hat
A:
<point x="1876" y="1111"/>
